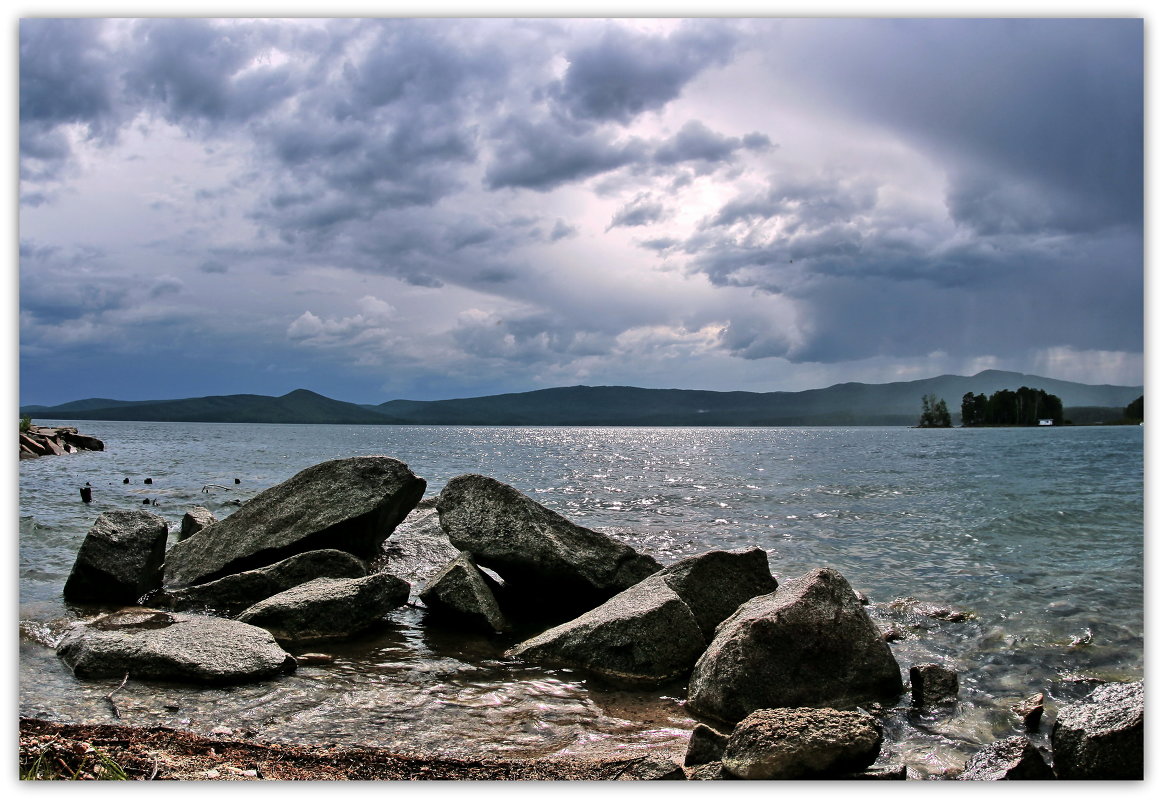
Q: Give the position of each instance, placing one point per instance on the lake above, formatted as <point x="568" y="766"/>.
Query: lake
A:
<point x="1036" y="532"/>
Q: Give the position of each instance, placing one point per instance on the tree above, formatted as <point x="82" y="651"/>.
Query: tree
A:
<point x="1134" y="410"/>
<point x="934" y="413"/>
<point x="973" y="409"/>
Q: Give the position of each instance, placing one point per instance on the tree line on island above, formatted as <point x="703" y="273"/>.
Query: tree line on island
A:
<point x="1007" y="407"/>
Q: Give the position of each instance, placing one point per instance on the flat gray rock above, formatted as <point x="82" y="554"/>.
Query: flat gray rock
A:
<point x="232" y="594"/>
<point x="541" y="555"/>
<point x="802" y="743"/>
<point x="328" y="609"/>
<point x="120" y="559"/>
<point x="152" y="644"/>
<point x="810" y="643"/>
<point x="350" y="505"/>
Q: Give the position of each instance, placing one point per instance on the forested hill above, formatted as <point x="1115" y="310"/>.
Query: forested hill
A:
<point x="896" y="403"/>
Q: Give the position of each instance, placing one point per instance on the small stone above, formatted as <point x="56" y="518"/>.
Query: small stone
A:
<point x="1030" y="710"/>
<point x="933" y="685"/>
<point x="705" y="745"/>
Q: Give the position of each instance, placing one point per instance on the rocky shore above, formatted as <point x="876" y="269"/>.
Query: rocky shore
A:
<point x="45" y="441"/>
<point x="789" y="680"/>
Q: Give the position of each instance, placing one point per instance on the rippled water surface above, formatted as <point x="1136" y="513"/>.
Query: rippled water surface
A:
<point x="1037" y="532"/>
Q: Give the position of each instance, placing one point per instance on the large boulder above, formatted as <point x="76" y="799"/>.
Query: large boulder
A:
<point x="1006" y="760"/>
<point x="232" y="594"/>
<point x="802" y="743"/>
<point x="809" y="643"/>
<point x="1102" y="737"/>
<point x="348" y="504"/>
<point x="643" y="635"/>
<point x="714" y="584"/>
<point x="328" y="609"/>
<point x="418" y="549"/>
<point x="120" y="559"/>
<point x="461" y="592"/>
<point x="550" y="561"/>
<point x="151" y="644"/>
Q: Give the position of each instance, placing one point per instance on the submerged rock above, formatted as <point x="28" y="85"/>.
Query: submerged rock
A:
<point x="152" y="644"/>
<point x="547" y="559"/>
<point x="810" y="643"/>
<point x="1009" y="759"/>
<point x="120" y="559"/>
<point x="462" y="592"/>
<point x="936" y="611"/>
<point x="328" y="609"/>
<point x="802" y="743"/>
<point x="348" y="504"/>
<point x="1102" y="737"/>
<point x="234" y="593"/>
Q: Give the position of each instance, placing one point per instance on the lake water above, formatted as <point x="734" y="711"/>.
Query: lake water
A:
<point x="1037" y="532"/>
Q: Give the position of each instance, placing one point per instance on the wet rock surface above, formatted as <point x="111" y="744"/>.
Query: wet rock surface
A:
<point x="326" y="609"/>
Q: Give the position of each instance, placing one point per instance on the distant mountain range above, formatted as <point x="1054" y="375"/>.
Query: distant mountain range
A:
<point x="897" y="403"/>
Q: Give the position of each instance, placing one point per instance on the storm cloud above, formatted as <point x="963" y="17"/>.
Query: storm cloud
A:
<point x="442" y="207"/>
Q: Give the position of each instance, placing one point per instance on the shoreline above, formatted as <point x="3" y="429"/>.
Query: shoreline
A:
<point x="158" y="753"/>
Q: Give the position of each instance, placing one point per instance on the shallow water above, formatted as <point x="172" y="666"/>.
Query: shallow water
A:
<point x="1038" y="533"/>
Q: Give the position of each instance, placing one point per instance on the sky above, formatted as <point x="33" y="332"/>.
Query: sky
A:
<point x="433" y="208"/>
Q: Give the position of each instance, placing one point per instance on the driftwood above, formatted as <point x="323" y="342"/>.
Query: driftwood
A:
<point x="109" y="697"/>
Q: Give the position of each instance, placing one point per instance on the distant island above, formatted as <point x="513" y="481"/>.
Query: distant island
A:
<point x="849" y="404"/>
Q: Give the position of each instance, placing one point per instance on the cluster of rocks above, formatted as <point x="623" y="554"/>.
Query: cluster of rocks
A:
<point x="781" y="673"/>
<point x="43" y="441"/>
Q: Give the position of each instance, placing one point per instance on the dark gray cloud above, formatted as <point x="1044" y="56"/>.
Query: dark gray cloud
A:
<point x="696" y="142"/>
<point x="543" y="156"/>
<point x="624" y="73"/>
<point x="196" y="71"/>
<point x="975" y="188"/>
<point x="642" y="210"/>
<point x="1053" y="107"/>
